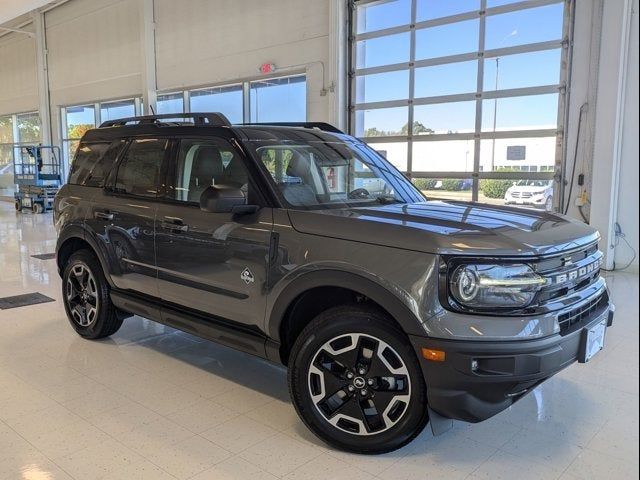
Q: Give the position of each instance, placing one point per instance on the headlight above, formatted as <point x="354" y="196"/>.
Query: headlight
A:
<point x="491" y="286"/>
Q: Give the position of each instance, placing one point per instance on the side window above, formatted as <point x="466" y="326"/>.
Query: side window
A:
<point x="203" y="163"/>
<point x="139" y="171"/>
<point x="276" y="160"/>
<point x="86" y="162"/>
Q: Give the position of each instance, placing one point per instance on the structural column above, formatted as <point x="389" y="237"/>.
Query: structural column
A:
<point x="148" y="54"/>
<point x="609" y="118"/>
<point x="42" y="76"/>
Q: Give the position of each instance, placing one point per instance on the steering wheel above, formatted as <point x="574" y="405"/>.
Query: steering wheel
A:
<point x="359" y="193"/>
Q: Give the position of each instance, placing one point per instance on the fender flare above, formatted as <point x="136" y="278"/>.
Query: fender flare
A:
<point x="80" y="232"/>
<point x="400" y="310"/>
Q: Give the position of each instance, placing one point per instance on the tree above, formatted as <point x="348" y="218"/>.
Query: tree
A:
<point x="374" y="132"/>
<point x="418" y="128"/>
<point x="76" y="131"/>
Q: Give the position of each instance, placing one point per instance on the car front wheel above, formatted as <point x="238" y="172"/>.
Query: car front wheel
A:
<point x="356" y="383"/>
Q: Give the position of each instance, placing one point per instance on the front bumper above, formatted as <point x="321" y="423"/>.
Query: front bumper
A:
<point x="507" y="370"/>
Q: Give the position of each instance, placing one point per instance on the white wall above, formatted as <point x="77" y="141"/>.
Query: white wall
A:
<point x="202" y="42"/>
<point x="18" y="88"/>
<point x="94" y="53"/>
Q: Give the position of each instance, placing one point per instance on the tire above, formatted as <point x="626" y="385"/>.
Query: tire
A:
<point x="548" y="204"/>
<point x="85" y="293"/>
<point x="354" y="336"/>
<point x="37" y="208"/>
<point x="18" y="205"/>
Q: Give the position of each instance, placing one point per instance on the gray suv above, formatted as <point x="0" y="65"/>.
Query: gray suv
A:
<point x="300" y="244"/>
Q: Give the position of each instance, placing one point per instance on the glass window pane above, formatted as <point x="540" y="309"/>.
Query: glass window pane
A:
<point x="518" y="154"/>
<point x="139" y="172"/>
<point x="6" y="168"/>
<point x="380" y="87"/>
<point x="429" y="9"/>
<point x="396" y="152"/>
<point x="382" y="122"/>
<point x="279" y="100"/>
<point x="226" y="100"/>
<point x="523" y="70"/>
<point x="79" y="120"/>
<point x="202" y="164"/>
<point x="445" y="188"/>
<point x="28" y="128"/>
<point x="445" y="40"/>
<point x="385" y="50"/>
<point x="456" y="117"/>
<point x="384" y="14"/>
<point x="443" y="156"/>
<point x="523" y="192"/>
<point x="520" y="113"/>
<point x="447" y="79"/>
<point x="69" y="149"/>
<point x="170" y="103"/>
<point x="115" y="110"/>
<point x="524" y="26"/>
<point x="6" y="129"/>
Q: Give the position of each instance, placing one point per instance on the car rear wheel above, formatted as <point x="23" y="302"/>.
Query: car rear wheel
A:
<point x="37" y="208"/>
<point x="356" y="382"/>
<point x="85" y="293"/>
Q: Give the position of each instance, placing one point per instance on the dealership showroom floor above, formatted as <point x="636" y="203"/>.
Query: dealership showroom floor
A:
<point x="154" y="403"/>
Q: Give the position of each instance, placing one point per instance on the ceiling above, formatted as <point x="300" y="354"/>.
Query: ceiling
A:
<point x="12" y="9"/>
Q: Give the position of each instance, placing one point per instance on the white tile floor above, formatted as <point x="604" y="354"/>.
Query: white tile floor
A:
<point x="155" y="403"/>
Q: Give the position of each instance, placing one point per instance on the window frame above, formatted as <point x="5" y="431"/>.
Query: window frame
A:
<point x="481" y="93"/>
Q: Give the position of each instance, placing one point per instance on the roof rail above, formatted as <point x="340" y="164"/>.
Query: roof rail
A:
<point x="324" y="126"/>
<point x="199" y="119"/>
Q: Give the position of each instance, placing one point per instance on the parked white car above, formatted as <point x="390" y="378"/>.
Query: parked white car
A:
<point x="532" y="193"/>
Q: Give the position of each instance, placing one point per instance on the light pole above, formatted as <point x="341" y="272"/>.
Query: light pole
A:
<point x="495" y="112"/>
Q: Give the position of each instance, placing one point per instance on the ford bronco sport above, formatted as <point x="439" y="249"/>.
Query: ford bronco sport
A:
<point x="302" y="245"/>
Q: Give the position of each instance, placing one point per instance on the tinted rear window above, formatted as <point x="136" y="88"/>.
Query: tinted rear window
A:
<point x="93" y="162"/>
<point x="139" y="171"/>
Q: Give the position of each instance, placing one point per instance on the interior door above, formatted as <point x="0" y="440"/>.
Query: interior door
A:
<point x="214" y="263"/>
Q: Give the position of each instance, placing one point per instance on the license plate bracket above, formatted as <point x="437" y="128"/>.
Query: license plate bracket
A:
<point x="593" y="339"/>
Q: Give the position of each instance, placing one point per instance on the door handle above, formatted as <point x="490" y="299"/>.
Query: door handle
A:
<point x="174" y="224"/>
<point x="103" y="215"/>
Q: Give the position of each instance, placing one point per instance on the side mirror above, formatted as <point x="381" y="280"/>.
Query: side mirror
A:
<point x="221" y="199"/>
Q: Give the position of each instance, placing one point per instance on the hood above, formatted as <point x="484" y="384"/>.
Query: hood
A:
<point x="528" y="188"/>
<point x="449" y="228"/>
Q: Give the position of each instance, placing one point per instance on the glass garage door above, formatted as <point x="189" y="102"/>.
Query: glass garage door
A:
<point x="466" y="97"/>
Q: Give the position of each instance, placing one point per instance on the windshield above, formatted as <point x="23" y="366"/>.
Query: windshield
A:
<point x="312" y="173"/>
<point x="534" y="183"/>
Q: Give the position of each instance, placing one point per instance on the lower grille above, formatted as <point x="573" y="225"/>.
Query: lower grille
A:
<point x="578" y="316"/>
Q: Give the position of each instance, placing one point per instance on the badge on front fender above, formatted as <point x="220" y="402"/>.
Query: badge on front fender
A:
<point x="247" y="276"/>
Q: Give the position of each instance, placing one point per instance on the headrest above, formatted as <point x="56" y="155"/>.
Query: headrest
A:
<point x="207" y="162"/>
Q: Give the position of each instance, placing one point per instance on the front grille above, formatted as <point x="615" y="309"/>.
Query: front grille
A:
<point x="527" y="194"/>
<point x="577" y="317"/>
<point x="569" y="273"/>
<point x="515" y="194"/>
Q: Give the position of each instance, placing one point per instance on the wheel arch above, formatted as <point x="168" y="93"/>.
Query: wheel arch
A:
<point x="75" y="238"/>
<point x="311" y="293"/>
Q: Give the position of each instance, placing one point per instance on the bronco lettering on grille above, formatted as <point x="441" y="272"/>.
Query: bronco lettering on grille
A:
<point x="577" y="273"/>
